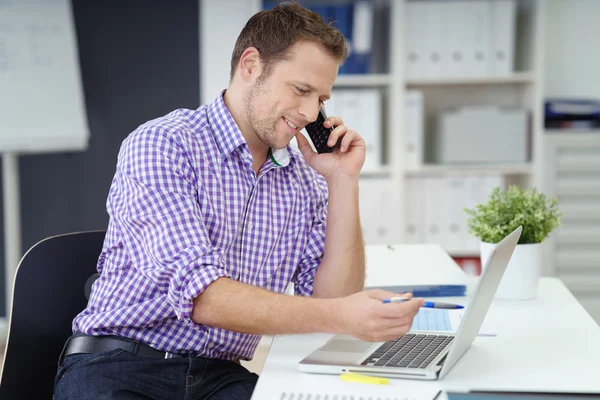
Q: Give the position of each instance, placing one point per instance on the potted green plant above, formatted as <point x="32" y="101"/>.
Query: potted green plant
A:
<point x="504" y="211"/>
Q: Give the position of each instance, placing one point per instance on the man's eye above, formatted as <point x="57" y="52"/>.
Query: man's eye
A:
<point x="301" y="91"/>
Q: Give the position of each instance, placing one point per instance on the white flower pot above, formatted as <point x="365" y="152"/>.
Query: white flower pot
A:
<point x="521" y="277"/>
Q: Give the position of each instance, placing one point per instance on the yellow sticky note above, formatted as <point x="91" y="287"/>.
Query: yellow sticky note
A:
<point x="354" y="377"/>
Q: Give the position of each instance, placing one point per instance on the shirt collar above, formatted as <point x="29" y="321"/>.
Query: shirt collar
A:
<point x="226" y="132"/>
<point x="229" y="136"/>
<point x="280" y="157"/>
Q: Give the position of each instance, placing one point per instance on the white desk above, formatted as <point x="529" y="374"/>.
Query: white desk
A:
<point x="546" y="344"/>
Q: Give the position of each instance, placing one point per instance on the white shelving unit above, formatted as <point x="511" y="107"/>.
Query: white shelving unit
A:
<point x="357" y="81"/>
<point x="518" y="77"/>
<point x="449" y="170"/>
<point x="384" y="209"/>
<point x="572" y="253"/>
<point x="522" y="88"/>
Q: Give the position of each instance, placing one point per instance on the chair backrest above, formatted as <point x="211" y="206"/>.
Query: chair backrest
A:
<point x="51" y="287"/>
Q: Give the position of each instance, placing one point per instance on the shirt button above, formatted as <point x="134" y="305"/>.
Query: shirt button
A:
<point x="250" y="226"/>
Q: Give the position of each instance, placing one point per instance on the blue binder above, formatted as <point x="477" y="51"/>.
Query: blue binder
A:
<point x="428" y="291"/>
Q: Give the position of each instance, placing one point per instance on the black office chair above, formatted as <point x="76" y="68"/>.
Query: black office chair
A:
<point x="52" y="285"/>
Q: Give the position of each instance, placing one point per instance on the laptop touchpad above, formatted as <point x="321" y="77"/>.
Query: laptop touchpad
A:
<point x="347" y="346"/>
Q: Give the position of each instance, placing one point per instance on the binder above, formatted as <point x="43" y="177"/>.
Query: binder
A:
<point x="362" y="36"/>
<point x="368" y="210"/>
<point x="377" y="207"/>
<point x="388" y="230"/>
<point x="503" y="21"/>
<point x="456" y="222"/>
<point x="472" y="197"/>
<point x="415" y="40"/>
<point x="435" y="212"/>
<point x="438" y="276"/>
<point x="428" y="291"/>
<point x="414" y="130"/>
<point x="361" y="111"/>
<point x="444" y="13"/>
<point x="415" y="211"/>
<point x="478" y="59"/>
<point x="342" y="20"/>
<point x="456" y="39"/>
<point x="434" y="26"/>
<point x="370" y="126"/>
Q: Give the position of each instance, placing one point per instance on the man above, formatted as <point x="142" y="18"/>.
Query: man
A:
<point x="212" y="215"/>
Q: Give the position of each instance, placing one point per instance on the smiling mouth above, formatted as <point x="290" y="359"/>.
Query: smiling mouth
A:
<point x="290" y="124"/>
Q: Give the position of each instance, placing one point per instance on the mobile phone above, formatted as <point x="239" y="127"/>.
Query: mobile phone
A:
<point x="319" y="135"/>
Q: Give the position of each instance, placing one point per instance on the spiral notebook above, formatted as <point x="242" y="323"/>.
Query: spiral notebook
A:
<point x="341" y="396"/>
<point x="364" y="392"/>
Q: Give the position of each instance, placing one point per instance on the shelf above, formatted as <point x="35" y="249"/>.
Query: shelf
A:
<point x="366" y="80"/>
<point x="475" y="169"/>
<point x="516" y="78"/>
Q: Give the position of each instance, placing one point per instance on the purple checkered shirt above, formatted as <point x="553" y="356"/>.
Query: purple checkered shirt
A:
<point x="186" y="208"/>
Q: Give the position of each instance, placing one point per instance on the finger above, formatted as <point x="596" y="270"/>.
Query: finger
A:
<point x="413" y="305"/>
<point x="386" y="295"/>
<point x="348" y="138"/>
<point x="304" y="146"/>
<point x="333" y="121"/>
<point x="399" y="310"/>
<point x="396" y="310"/>
<point x="336" y="134"/>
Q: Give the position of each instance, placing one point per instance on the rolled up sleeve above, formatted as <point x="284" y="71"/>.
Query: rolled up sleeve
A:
<point x="315" y="248"/>
<point x="154" y="203"/>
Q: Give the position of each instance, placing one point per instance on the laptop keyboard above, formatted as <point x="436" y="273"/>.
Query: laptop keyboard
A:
<point x="409" y="351"/>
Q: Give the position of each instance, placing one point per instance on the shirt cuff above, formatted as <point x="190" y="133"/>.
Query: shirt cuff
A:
<point x="304" y="289"/>
<point x="199" y="280"/>
<point x="304" y="282"/>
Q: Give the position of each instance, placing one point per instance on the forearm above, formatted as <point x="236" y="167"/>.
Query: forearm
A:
<point x="239" y="307"/>
<point x="342" y="270"/>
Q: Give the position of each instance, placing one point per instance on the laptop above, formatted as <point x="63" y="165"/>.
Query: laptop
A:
<point x="422" y="355"/>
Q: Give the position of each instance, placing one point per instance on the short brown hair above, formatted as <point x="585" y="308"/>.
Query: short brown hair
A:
<point x="274" y="31"/>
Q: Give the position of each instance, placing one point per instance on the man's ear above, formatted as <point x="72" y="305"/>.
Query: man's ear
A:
<point x="250" y="66"/>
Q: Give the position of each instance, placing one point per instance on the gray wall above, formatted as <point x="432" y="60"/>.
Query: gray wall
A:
<point x="139" y="60"/>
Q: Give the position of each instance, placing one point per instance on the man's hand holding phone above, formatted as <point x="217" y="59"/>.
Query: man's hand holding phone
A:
<point x="347" y="160"/>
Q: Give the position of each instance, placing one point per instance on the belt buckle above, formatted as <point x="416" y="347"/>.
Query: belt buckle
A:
<point x="169" y="355"/>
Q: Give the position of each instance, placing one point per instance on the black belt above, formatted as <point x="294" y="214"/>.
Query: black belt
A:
<point x="86" y="344"/>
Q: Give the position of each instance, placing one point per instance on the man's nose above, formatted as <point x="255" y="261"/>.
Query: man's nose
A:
<point x="309" y="110"/>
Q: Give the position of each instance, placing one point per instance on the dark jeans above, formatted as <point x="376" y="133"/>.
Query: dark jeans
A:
<point x="118" y="374"/>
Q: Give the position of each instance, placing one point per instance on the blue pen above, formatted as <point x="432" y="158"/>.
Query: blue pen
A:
<point x="428" y="304"/>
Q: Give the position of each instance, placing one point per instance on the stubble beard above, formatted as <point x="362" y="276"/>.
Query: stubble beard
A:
<point x="264" y="128"/>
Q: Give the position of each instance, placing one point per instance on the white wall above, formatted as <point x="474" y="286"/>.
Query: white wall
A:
<point x="221" y="21"/>
<point x="572" y="59"/>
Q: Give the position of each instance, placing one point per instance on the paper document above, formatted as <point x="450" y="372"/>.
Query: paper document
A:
<point x="409" y="267"/>
<point x="433" y="319"/>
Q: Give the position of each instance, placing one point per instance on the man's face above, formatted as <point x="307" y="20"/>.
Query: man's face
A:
<point x="280" y="105"/>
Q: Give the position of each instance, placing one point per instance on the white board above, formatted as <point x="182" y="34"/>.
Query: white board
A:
<point x="41" y="97"/>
